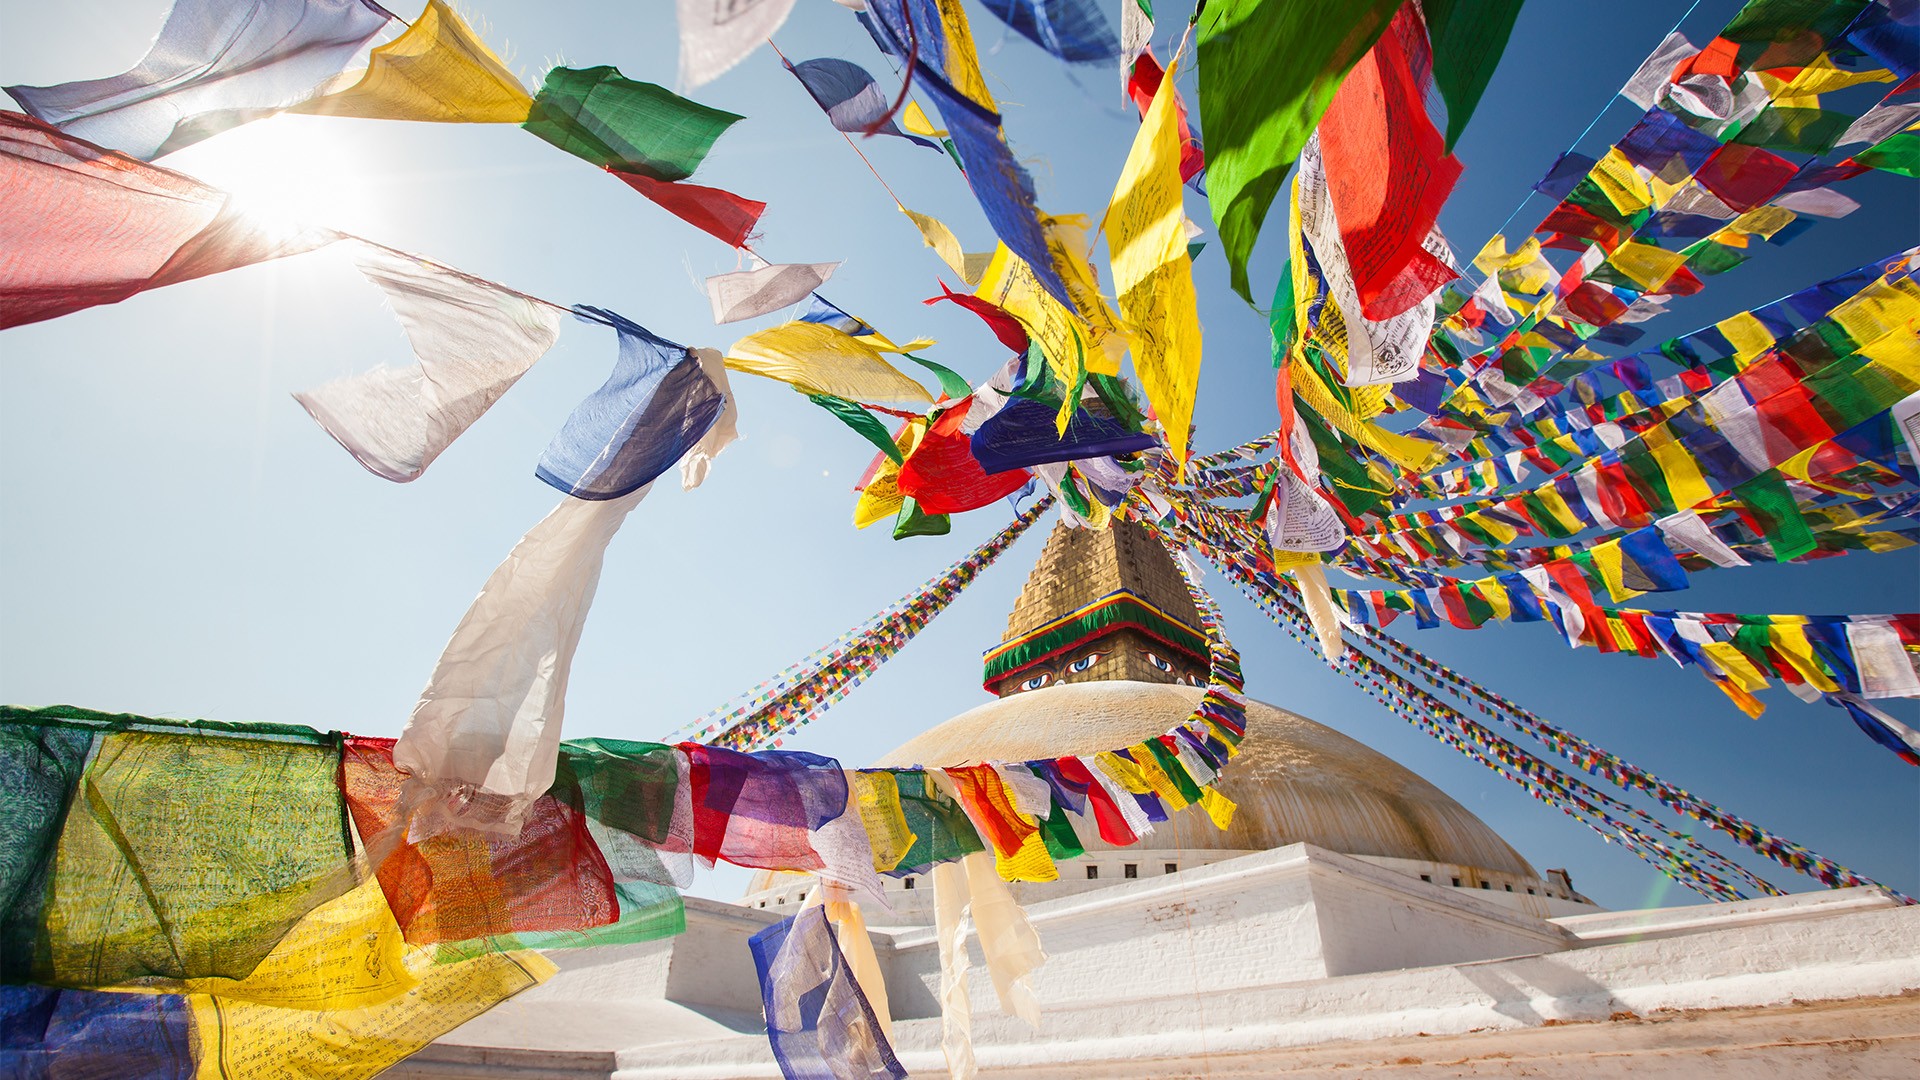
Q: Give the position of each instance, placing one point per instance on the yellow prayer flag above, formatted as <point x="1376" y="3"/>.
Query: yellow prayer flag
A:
<point x="1789" y="639"/>
<point x="969" y="265"/>
<point x="1748" y="336"/>
<point x="1648" y="265"/>
<point x="1152" y="275"/>
<point x="438" y="71"/>
<point x="1739" y="670"/>
<point x="1677" y="464"/>
<point x="877" y="794"/>
<point x="817" y="359"/>
<point x="914" y="119"/>
<point x="881" y="499"/>
<point x="1218" y="807"/>
<point x="963" y="64"/>
<point x="1157" y="779"/>
<point x="347" y="953"/>
<point x="1620" y="181"/>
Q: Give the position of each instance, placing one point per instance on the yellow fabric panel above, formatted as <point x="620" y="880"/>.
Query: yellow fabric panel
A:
<point x="882" y="499"/>
<point x="963" y="63"/>
<point x="1607" y="560"/>
<point x="1736" y="665"/>
<point x="263" y="1042"/>
<point x="438" y="71"/>
<point x="1152" y="273"/>
<point x="1789" y="639"/>
<point x="1030" y="863"/>
<point x="1495" y="597"/>
<point x="1821" y="77"/>
<point x="1009" y="284"/>
<point x="1218" y="807"/>
<point x="1648" y="265"/>
<point x="1493" y="255"/>
<point x="914" y="119"/>
<point x="1879" y="309"/>
<point x="1763" y="221"/>
<point x="1748" y="336"/>
<point x="1885" y="541"/>
<point x="1621" y="183"/>
<point x="946" y="245"/>
<point x="1157" y="779"/>
<point x="1684" y="480"/>
<point x="1746" y="702"/>
<point x="1067" y="243"/>
<point x="347" y="953"/>
<point x="878" y="796"/>
<point x="1123" y="771"/>
<point x="1500" y="531"/>
<point x="1408" y="453"/>
<point x="817" y="359"/>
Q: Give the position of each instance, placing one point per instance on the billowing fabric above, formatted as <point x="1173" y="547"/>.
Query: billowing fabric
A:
<point x="850" y="931"/>
<point x="955" y="1000"/>
<point x="1142" y="86"/>
<point x="879" y="487"/>
<point x="81" y="227"/>
<point x="474" y="340"/>
<point x="942" y="475"/>
<point x="604" y="117"/>
<point x="216" y="64"/>
<point x="1151" y="272"/>
<point x="464" y="884"/>
<point x="189" y="857"/>
<point x="819" y="1022"/>
<point x="940" y="829"/>
<point x="1268" y="70"/>
<point x="656" y="407"/>
<point x="717" y="212"/>
<point x="758" y="810"/>
<point x="52" y="1034"/>
<point x="850" y="98"/>
<point x="969" y="265"/>
<point x="1388" y="172"/>
<point x="438" y="70"/>
<point x="480" y="746"/>
<point x="818" y="359"/>
<point x="1073" y="30"/>
<point x="638" y="804"/>
<point x="1021" y="435"/>
<point x="1468" y="37"/>
<point x="948" y="72"/>
<point x="714" y="36"/>
<point x="40" y="767"/>
<point x="749" y="294"/>
<point x="726" y="427"/>
<point x="1136" y="34"/>
<point x="1011" y="332"/>
<point x="862" y="422"/>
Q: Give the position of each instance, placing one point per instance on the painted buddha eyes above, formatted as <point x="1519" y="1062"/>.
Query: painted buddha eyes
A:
<point x="1086" y="662"/>
<point x="1156" y="661"/>
<point x="1037" y="681"/>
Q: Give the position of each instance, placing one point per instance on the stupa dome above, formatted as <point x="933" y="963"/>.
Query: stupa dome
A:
<point x="1294" y="780"/>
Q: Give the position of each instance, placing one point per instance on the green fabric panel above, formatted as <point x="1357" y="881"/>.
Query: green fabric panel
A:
<point x="1468" y="37"/>
<point x="1770" y="502"/>
<point x="185" y="856"/>
<point x="1800" y="131"/>
<point x="1126" y="609"/>
<point x="616" y="123"/>
<point x="951" y="382"/>
<point x="40" y="768"/>
<point x="1176" y="772"/>
<point x="913" y="521"/>
<point x="940" y="827"/>
<point x="1268" y="70"/>
<point x="1113" y="393"/>
<point x="1352" y="484"/>
<point x="648" y="912"/>
<point x="1788" y="33"/>
<point x="1898" y="153"/>
<point x="1709" y="258"/>
<point x="1057" y="832"/>
<point x="102" y="722"/>
<point x="861" y="421"/>
<point x="629" y="786"/>
<point x="1280" y="317"/>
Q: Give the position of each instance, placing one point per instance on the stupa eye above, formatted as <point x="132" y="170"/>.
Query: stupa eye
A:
<point x="1156" y="661"/>
<point x="1086" y="662"/>
<point x="1037" y="682"/>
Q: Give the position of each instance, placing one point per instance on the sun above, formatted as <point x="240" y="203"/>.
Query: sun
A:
<point x="289" y="171"/>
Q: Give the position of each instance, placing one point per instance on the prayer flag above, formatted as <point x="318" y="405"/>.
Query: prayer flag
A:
<point x="1073" y="30"/>
<point x="1141" y="87"/>
<point x="1151" y="273"/>
<point x="748" y="294"/>
<point x="716" y="36"/>
<point x="1268" y="70"/>
<point x="712" y="210"/>
<point x="942" y="475"/>
<point x="1022" y="434"/>
<point x="817" y="359"/>
<point x="850" y="98"/>
<point x="819" y="1020"/>
<point x="81" y="226"/>
<point x="439" y="71"/>
<point x="1468" y="37"/>
<point x="216" y="64"/>
<point x="937" y="236"/>
<point x="655" y="407"/>
<point x="604" y="117"/>
<point x="474" y="340"/>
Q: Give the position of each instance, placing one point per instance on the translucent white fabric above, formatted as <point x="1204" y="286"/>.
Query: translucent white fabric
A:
<point x="748" y="294"/>
<point x="474" y="340"/>
<point x="717" y="34"/>
<point x="725" y="430"/>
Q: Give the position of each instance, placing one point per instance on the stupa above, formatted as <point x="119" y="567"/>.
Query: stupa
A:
<point x="1352" y="919"/>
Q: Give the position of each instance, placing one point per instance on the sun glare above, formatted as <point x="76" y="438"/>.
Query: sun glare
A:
<point x="288" y="171"/>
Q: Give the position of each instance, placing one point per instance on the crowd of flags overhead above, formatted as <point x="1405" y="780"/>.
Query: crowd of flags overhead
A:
<point x="1786" y="433"/>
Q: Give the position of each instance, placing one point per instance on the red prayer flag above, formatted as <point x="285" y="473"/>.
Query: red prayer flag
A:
<point x="81" y="226"/>
<point x="720" y="213"/>
<point x="943" y="476"/>
<point x="1145" y="82"/>
<point x="1004" y="326"/>
<point x="1744" y="176"/>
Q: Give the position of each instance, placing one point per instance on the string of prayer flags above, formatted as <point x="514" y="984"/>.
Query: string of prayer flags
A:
<point x="819" y="1021"/>
<point x="215" y="65"/>
<point x="474" y="340"/>
<point x="1388" y="171"/>
<point x="1073" y="30"/>
<point x="719" y="213"/>
<point x="601" y="116"/>
<point x="480" y="745"/>
<point x="1151" y="272"/>
<point x="652" y="411"/>
<point x="850" y="98"/>
<point x="748" y="294"/>
<point x="715" y="37"/>
<point x="1268" y="70"/>
<point x="438" y="71"/>
<point x="818" y="359"/>
<point x="83" y="226"/>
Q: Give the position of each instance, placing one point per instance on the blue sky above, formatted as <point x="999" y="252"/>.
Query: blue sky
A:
<point x="178" y="538"/>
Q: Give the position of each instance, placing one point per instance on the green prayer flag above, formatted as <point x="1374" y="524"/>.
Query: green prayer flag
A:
<point x="604" y="117"/>
<point x="952" y="383"/>
<point x="1468" y="37"/>
<point x="1898" y="153"/>
<point x="1770" y="502"/>
<point x="913" y="521"/>
<point x="861" y="421"/>
<point x="1057" y="833"/>
<point x="1268" y="70"/>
